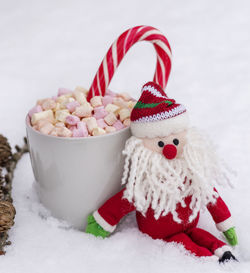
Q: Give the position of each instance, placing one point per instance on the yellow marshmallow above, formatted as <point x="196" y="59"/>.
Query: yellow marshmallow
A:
<point x="84" y="110"/>
<point x="82" y="89"/>
<point x="96" y="101"/>
<point x="62" y="114"/>
<point x="110" y="119"/>
<point x="91" y="124"/>
<point x="79" y="96"/>
<point x="124" y="114"/>
<point x="110" y="129"/>
<point x="42" y="115"/>
<point x="98" y="131"/>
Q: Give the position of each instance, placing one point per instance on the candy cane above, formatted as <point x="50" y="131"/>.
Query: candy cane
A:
<point x="121" y="46"/>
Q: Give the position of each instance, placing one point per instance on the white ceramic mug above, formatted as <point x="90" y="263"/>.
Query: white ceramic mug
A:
<point x="74" y="176"/>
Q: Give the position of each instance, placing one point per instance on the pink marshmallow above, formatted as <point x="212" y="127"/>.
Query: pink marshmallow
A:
<point x="63" y="91"/>
<point x="82" y="128"/>
<point x="107" y="100"/>
<point x="35" y="109"/>
<point x="101" y="123"/>
<point x="77" y="133"/>
<point x="100" y="112"/>
<point x="118" y="125"/>
<point x="72" y="127"/>
<point x="72" y="120"/>
<point x="110" y="93"/>
<point x="71" y="106"/>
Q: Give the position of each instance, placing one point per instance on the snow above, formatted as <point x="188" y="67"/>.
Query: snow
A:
<point x="50" y="44"/>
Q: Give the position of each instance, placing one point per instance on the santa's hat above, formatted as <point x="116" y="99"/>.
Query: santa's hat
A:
<point x="155" y="115"/>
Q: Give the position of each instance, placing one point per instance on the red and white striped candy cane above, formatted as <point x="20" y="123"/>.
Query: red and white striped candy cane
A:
<point x="121" y="46"/>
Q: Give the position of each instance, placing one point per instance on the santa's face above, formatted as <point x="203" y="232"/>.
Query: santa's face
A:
<point x="156" y="169"/>
<point x="170" y="146"/>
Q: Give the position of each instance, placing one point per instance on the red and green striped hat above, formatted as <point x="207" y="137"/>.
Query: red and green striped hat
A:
<point x="156" y="115"/>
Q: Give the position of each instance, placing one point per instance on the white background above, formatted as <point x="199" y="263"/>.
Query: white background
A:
<point x="49" y="44"/>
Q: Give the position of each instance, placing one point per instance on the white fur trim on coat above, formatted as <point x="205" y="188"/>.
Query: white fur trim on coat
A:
<point x="103" y="223"/>
<point x="160" y="128"/>
<point x="221" y="250"/>
<point x="225" y="225"/>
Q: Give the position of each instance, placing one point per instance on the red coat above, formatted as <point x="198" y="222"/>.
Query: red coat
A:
<point x="113" y="210"/>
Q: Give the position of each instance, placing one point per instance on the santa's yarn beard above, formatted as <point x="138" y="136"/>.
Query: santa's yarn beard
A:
<point x="154" y="181"/>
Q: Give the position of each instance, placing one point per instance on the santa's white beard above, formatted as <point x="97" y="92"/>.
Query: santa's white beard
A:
<point x="154" y="181"/>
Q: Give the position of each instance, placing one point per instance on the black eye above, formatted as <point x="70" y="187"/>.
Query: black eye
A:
<point x="176" y="141"/>
<point x="161" y="144"/>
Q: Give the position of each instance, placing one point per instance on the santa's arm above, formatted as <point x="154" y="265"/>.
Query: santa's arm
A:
<point x="104" y="220"/>
<point x="223" y="219"/>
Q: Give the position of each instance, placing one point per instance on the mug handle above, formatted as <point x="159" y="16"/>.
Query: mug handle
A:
<point x="121" y="46"/>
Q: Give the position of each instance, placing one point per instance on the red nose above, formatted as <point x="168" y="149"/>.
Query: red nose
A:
<point x="169" y="151"/>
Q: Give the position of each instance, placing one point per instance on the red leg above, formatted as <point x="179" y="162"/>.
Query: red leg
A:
<point x="205" y="239"/>
<point x="183" y="239"/>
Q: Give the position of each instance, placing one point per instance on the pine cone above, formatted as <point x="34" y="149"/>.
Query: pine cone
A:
<point x="5" y="150"/>
<point x="7" y="215"/>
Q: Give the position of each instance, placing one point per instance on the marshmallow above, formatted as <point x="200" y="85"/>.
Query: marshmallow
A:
<point x="98" y="132"/>
<point x="124" y="114"/>
<point x="57" y="107"/>
<point x="42" y="122"/>
<point x="46" y="128"/>
<point x="62" y="114"/>
<point x="131" y="104"/>
<point x="62" y="98"/>
<point x="63" y="132"/>
<point x="127" y="122"/>
<point x="63" y="104"/>
<point x="71" y="106"/>
<point x="107" y="100"/>
<point x="96" y="101"/>
<point x="101" y="123"/>
<point x="72" y="127"/>
<point x="79" y="96"/>
<point x="70" y="115"/>
<point x="35" y="109"/>
<point x="84" y="110"/>
<point x="48" y="104"/>
<point x="91" y="124"/>
<point x="60" y="124"/>
<point x="124" y="96"/>
<point x="110" y="129"/>
<point x="72" y="120"/>
<point x="110" y="93"/>
<point x="110" y="119"/>
<point x="63" y="91"/>
<point x="40" y="102"/>
<point x="42" y="115"/>
<point x="82" y="129"/>
<point x="118" y="125"/>
<point x="54" y="132"/>
<point x="120" y="102"/>
<point x="100" y="112"/>
<point x="111" y="108"/>
<point x="82" y="89"/>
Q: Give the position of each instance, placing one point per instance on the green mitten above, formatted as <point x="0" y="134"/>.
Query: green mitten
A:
<point x="94" y="228"/>
<point x="231" y="236"/>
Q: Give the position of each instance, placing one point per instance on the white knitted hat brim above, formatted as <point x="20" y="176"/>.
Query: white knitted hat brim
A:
<point x="160" y="128"/>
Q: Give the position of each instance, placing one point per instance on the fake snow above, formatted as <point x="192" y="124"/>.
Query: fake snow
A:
<point x="49" y="44"/>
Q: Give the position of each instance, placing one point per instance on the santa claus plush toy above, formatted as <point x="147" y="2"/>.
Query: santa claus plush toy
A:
<point x="170" y="174"/>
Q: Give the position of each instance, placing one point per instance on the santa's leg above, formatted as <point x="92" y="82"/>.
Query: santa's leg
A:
<point x="186" y="241"/>
<point x="207" y="240"/>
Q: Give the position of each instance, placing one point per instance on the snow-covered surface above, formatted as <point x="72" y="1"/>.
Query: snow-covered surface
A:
<point x="50" y="44"/>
